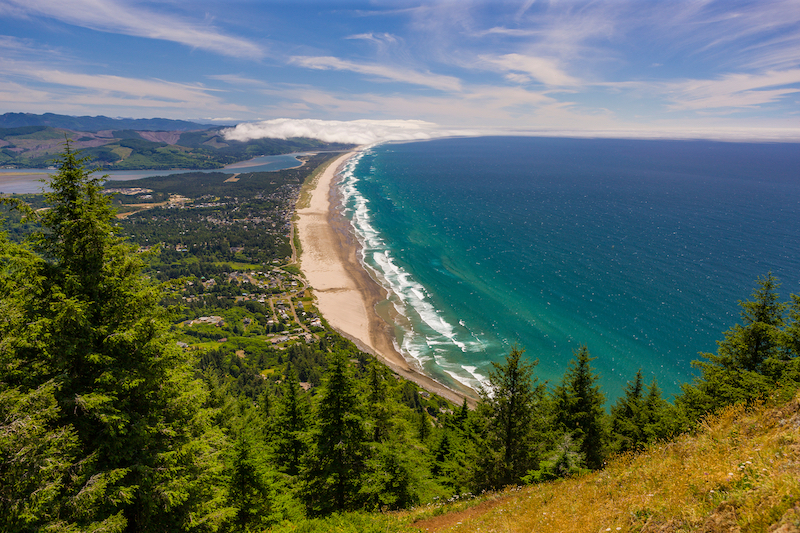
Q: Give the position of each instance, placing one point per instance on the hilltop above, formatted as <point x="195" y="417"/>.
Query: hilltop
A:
<point x="202" y="328"/>
<point x="32" y="141"/>
<point x="739" y="472"/>
<point x="98" y="123"/>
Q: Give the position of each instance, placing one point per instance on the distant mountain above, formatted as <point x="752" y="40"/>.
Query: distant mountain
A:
<point x="99" y="123"/>
<point x="36" y="146"/>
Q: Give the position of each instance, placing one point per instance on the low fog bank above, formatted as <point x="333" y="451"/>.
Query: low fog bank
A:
<point x="354" y="131"/>
<point x="367" y="132"/>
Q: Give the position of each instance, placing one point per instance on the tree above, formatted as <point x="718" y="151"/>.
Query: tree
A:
<point x="336" y="463"/>
<point x="83" y="317"/>
<point x="378" y="406"/>
<point x="749" y="345"/>
<point x="792" y="331"/>
<point x="628" y="417"/>
<point x="290" y="426"/>
<point x="751" y="359"/>
<point x="249" y="491"/>
<point x="510" y="410"/>
<point x="36" y="458"/>
<point x="578" y="407"/>
<point x="658" y="415"/>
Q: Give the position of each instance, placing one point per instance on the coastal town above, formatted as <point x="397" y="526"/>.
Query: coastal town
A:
<point x="224" y="250"/>
<point x="400" y="267"/>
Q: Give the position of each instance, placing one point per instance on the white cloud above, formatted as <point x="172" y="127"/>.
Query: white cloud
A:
<point x="235" y="79"/>
<point x="733" y="90"/>
<point x="113" y="16"/>
<point x="14" y="93"/>
<point x="426" y="79"/>
<point x="74" y="91"/>
<point x="353" y="131"/>
<point x="136" y="88"/>
<point x="544" y="70"/>
<point x="376" y="38"/>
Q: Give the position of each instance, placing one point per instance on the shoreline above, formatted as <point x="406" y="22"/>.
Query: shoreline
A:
<point x="344" y="291"/>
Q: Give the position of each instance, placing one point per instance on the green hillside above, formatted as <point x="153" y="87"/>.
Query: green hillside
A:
<point x="127" y="149"/>
<point x="98" y="123"/>
<point x="165" y="369"/>
<point x="740" y="471"/>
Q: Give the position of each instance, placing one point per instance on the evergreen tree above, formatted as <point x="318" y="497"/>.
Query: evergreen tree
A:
<point x="290" y="425"/>
<point x="628" y="418"/>
<point x="423" y="426"/>
<point x="751" y="359"/>
<point x="249" y="491"/>
<point x="578" y="407"/>
<point x="792" y="332"/>
<point x="749" y="345"/>
<point x="510" y="410"/>
<point x="336" y="463"/>
<point x="81" y="315"/>
<point x="389" y="479"/>
<point x="453" y="460"/>
<point x="379" y="412"/>
<point x="462" y="415"/>
<point x="37" y="458"/>
<point x="658" y="415"/>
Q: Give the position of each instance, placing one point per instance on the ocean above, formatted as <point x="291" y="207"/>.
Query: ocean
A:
<point x="639" y="249"/>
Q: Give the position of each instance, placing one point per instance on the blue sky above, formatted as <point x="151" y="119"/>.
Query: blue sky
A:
<point x="717" y="69"/>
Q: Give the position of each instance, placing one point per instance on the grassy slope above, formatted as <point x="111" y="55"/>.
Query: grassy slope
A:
<point x="740" y="472"/>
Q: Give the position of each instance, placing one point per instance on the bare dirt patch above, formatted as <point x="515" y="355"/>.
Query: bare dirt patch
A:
<point x="438" y="523"/>
<point x="169" y="137"/>
<point x="140" y="207"/>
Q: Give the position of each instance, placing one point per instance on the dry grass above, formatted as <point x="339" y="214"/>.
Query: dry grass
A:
<point x="740" y="472"/>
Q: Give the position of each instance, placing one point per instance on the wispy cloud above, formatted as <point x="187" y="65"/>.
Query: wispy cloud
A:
<point x="543" y="70"/>
<point x="380" y="39"/>
<point x="733" y="90"/>
<point x="114" y="16"/>
<point x="236" y="79"/>
<point x="14" y="93"/>
<point x="481" y="108"/>
<point x="388" y="72"/>
<point x="81" y="89"/>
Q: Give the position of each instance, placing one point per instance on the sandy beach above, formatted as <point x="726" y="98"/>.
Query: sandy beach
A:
<point x="345" y="293"/>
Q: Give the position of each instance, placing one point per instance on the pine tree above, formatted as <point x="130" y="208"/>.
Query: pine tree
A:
<point x="792" y="331"/>
<point x="578" y="407"/>
<point x="749" y="345"/>
<point x="628" y="417"/>
<point x="249" y="492"/>
<point x="290" y="425"/>
<point x="462" y="416"/>
<point x="37" y="458"/>
<point x="336" y="464"/>
<point x="750" y="361"/>
<point x="83" y="317"/>
<point x="379" y="412"/>
<point x="510" y="410"/>
<point x="658" y="415"/>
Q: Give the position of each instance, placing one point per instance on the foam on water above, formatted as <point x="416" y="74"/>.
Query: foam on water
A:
<point x="426" y="334"/>
<point x="638" y="249"/>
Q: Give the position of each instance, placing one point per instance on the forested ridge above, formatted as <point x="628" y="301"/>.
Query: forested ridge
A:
<point x="120" y="144"/>
<point x="107" y="423"/>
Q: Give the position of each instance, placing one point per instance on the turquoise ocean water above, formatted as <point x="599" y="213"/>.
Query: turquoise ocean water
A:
<point x="638" y="249"/>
